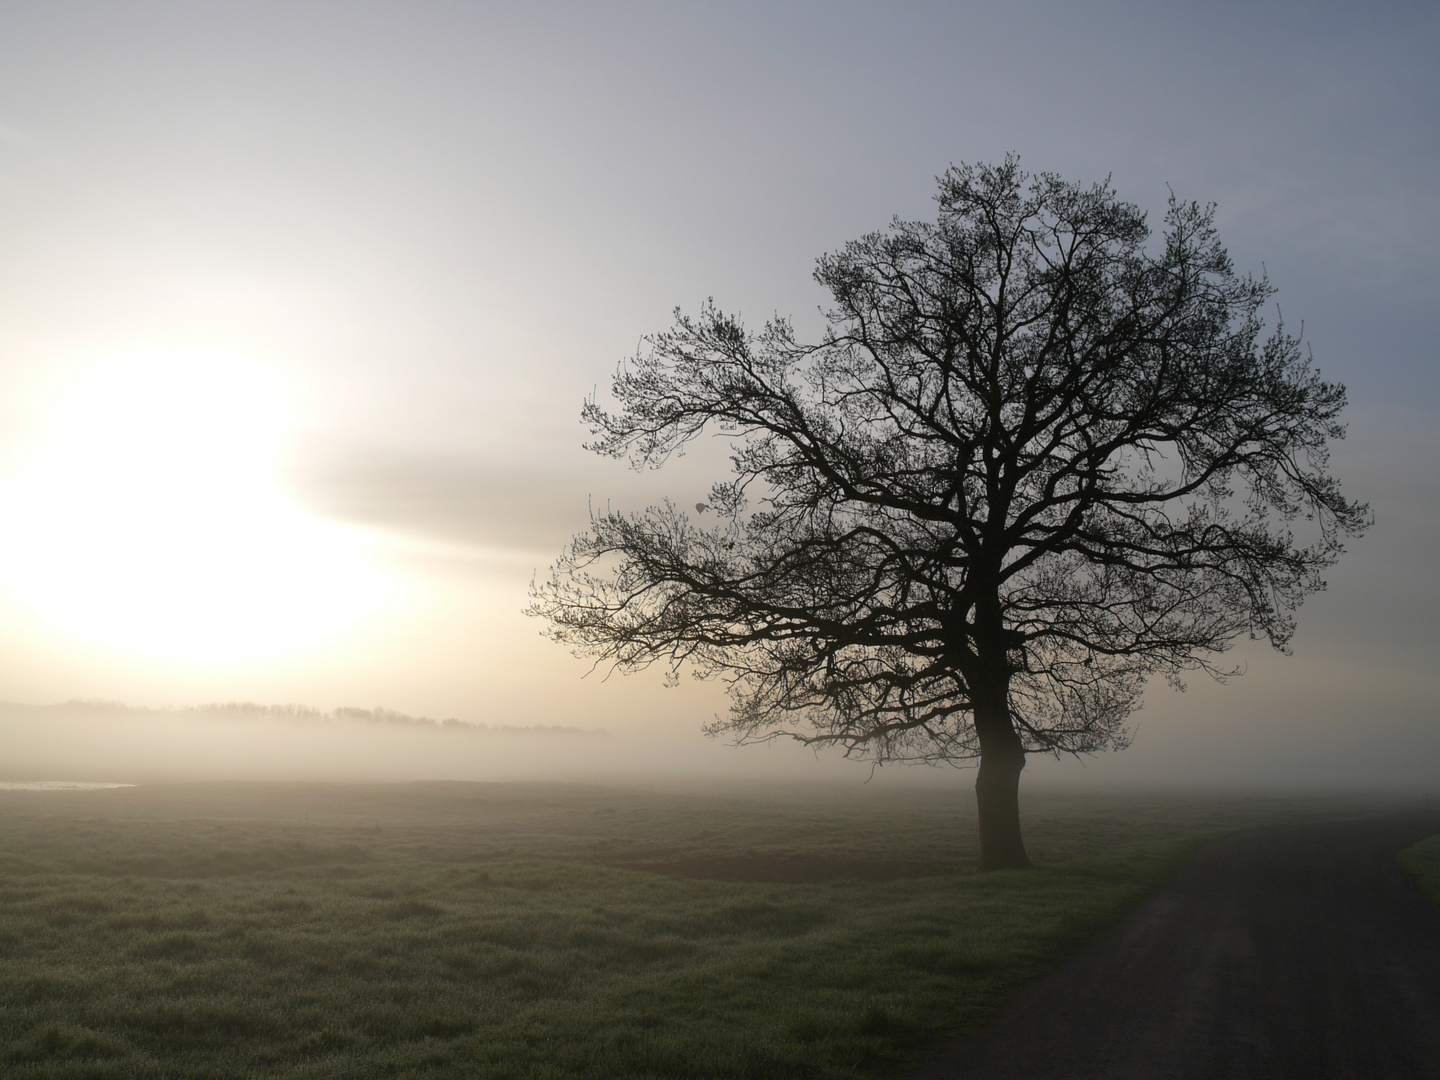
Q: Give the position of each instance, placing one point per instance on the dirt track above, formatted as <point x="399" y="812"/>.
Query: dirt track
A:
<point x="1301" y="952"/>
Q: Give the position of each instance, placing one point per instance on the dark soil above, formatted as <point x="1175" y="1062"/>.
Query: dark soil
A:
<point x="1299" y="952"/>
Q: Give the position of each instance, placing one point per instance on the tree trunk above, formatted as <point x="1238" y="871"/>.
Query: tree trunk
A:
<point x="997" y="789"/>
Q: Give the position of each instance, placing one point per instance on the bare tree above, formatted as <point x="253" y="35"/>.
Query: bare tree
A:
<point x="1034" y="461"/>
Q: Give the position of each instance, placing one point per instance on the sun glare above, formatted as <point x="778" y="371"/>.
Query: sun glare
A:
<point x="149" y="519"/>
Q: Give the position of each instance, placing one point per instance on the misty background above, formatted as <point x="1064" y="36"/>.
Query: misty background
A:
<point x="298" y="305"/>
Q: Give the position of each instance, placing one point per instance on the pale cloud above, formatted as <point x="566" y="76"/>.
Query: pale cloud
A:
<point x="448" y="499"/>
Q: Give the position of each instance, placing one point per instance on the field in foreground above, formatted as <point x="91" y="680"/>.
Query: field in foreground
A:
<point x="526" y="930"/>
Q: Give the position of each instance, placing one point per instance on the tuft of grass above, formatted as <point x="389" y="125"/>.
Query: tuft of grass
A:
<point x="543" y="931"/>
<point x="1423" y="860"/>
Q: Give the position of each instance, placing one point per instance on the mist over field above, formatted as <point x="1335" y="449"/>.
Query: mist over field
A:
<point x="1203" y="748"/>
<point x="109" y="742"/>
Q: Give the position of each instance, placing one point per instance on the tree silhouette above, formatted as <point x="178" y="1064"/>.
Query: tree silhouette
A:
<point x="1033" y="461"/>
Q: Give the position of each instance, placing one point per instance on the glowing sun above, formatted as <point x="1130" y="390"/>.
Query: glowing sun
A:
<point x="148" y="519"/>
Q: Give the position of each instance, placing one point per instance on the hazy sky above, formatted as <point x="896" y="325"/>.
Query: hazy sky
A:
<point x="298" y="304"/>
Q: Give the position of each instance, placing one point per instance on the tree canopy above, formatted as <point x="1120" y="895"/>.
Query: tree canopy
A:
<point x="1035" y="459"/>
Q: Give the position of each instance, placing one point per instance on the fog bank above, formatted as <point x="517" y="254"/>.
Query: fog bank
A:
<point x="114" y="743"/>
<point x="1200" y="741"/>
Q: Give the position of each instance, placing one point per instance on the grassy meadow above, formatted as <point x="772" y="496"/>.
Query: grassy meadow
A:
<point x="541" y="930"/>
